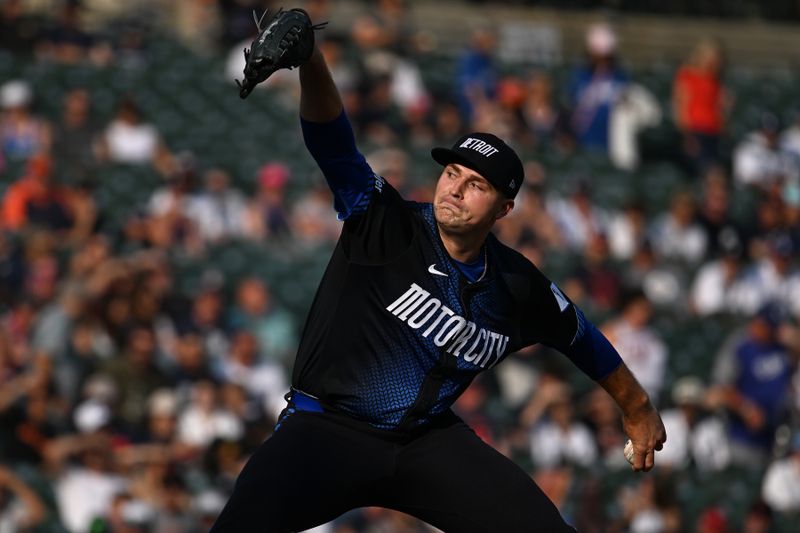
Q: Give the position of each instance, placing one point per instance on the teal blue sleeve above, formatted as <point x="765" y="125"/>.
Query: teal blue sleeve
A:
<point x="591" y="351"/>
<point x="349" y="176"/>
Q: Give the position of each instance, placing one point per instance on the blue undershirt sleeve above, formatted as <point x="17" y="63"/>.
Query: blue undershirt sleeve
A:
<point x="591" y="351"/>
<point x="333" y="146"/>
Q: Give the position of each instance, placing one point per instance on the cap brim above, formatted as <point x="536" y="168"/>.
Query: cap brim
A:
<point x="446" y="156"/>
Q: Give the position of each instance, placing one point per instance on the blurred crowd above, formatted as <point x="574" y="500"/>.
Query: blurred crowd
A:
<point x="129" y="404"/>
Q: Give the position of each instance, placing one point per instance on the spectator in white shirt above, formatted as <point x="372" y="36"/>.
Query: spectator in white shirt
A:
<point x="711" y="289"/>
<point x="262" y="379"/>
<point x="85" y="490"/>
<point x="693" y="437"/>
<point x="577" y="217"/>
<point x="556" y="437"/>
<point x="219" y="211"/>
<point x="790" y="138"/>
<point x="626" y="231"/>
<point x="773" y="278"/>
<point x="781" y="488"/>
<point x="203" y="420"/>
<point x="129" y="139"/>
<point x="640" y="346"/>
<point x="760" y="161"/>
<point x="676" y="235"/>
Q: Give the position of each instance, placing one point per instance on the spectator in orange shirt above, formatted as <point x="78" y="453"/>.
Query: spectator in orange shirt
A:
<point x="36" y="199"/>
<point x="698" y="100"/>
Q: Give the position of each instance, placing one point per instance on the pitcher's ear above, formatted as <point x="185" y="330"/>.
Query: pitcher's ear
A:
<point x="505" y="209"/>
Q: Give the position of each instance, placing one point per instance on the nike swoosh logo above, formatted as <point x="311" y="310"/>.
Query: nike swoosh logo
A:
<point x="432" y="270"/>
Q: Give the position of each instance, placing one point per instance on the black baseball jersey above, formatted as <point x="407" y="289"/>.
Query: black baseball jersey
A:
<point x="396" y="332"/>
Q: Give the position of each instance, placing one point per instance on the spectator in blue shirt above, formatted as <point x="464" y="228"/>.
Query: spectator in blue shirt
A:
<point x="476" y="75"/>
<point x="753" y="379"/>
<point x="595" y="88"/>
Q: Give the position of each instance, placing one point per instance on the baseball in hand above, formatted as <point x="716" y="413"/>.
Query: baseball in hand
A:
<point x="629" y="451"/>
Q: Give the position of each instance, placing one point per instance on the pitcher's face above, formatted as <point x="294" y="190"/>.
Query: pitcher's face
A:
<point x="464" y="200"/>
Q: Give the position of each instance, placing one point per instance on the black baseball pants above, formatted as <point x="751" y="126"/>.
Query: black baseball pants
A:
<point x="317" y="466"/>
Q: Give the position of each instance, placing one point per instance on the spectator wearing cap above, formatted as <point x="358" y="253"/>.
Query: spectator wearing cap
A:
<point x="91" y="416"/>
<point x="21" y="133"/>
<point x="712" y="285"/>
<point x="162" y="410"/>
<point x="266" y="214"/>
<point x="752" y="375"/>
<point x="774" y="277"/>
<point x="695" y="438"/>
<point x="759" y="160"/>
<point x="781" y="487"/>
<point x="595" y="88"/>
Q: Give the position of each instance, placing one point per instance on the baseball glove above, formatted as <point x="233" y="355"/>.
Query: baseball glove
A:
<point x="285" y="41"/>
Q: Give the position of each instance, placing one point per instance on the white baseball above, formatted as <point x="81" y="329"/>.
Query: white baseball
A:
<point x="629" y="451"/>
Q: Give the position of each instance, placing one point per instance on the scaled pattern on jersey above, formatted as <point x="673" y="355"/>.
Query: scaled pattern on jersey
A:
<point x="389" y="386"/>
<point x="477" y="305"/>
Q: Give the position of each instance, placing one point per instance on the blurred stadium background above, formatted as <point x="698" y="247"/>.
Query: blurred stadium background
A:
<point x="161" y="241"/>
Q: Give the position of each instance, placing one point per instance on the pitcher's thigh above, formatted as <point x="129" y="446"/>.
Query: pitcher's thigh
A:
<point x="456" y="482"/>
<point x="304" y="475"/>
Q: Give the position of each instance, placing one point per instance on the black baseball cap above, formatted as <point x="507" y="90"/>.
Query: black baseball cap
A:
<point x="488" y="155"/>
